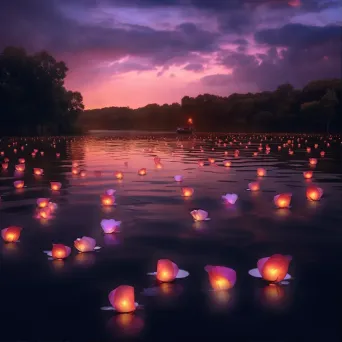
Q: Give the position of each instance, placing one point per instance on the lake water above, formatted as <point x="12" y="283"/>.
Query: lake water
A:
<point x="44" y="300"/>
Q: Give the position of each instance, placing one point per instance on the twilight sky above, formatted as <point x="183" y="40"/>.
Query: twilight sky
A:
<point x="135" y="52"/>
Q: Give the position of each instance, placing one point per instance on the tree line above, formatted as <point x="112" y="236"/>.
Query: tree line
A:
<point x="33" y="99"/>
<point x="315" y="108"/>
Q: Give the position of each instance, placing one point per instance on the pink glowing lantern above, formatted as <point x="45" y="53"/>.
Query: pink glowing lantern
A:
<point x="283" y="201"/>
<point x="11" y="234"/>
<point x="168" y="271"/>
<point x="220" y="277"/>
<point x="86" y="244"/>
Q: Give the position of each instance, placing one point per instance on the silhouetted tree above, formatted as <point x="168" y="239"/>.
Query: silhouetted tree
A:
<point x="33" y="99"/>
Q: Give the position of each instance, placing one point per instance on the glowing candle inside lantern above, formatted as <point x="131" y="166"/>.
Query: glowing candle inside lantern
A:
<point x="283" y="200"/>
<point x="38" y="172"/>
<point x="166" y="270"/>
<point x="227" y="163"/>
<point x="55" y="186"/>
<point x="275" y="268"/>
<point x="307" y="174"/>
<point x="60" y="251"/>
<point x="220" y="277"/>
<point x="107" y="200"/>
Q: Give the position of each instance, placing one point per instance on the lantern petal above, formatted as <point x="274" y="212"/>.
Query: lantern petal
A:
<point x="255" y="273"/>
<point x="182" y="274"/>
<point x="261" y="263"/>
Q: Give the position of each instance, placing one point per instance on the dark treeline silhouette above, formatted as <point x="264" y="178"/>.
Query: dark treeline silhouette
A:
<point x="315" y="108"/>
<point x="33" y="99"/>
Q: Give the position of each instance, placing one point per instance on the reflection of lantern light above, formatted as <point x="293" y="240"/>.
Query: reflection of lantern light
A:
<point x="261" y="172"/>
<point x="220" y="277"/>
<point x="19" y="184"/>
<point x="60" y="251"/>
<point x="274" y="268"/>
<point x="283" y="200"/>
<point x="44" y="213"/>
<point x="20" y="167"/>
<point x="122" y="299"/>
<point x="142" y="172"/>
<point x="38" y="172"/>
<point x="313" y="161"/>
<point x="307" y="174"/>
<point x="166" y="270"/>
<point x="187" y="192"/>
<point x="11" y="234"/>
<point x="107" y="200"/>
<point x="254" y="186"/>
<point x="273" y="294"/>
<point x="227" y="163"/>
<point x="55" y="186"/>
<point x="314" y="193"/>
<point x="43" y="202"/>
<point x="118" y="175"/>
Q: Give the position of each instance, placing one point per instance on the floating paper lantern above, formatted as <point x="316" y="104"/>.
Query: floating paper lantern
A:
<point x="307" y="174"/>
<point x="18" y="184"/>
<point x="110" y="226"/>
<point x="273" y="269"/>
<point x="43" y="202"/>
<point x="261" y="172"/>
<point x="11" y="234"/>
<point x="255" y="154"/>
<point x="220" y="277"/>
<point x="21" y="160"/>
<point x="314" y="193"/>
<point x="308" y="149"/>
<point x="44" y="213"/>
<point x="4" y="166"/>
<point x="313" y="161"/>
<point x="322" y="154"/>
<point x="200" y="163"/>
<point x="159" y="165"/>
<point x="20" y="167"/>
<point x="107" y="200"/>
<point x="200" y="215"/>
<point x="178" y="178"/>
<point x="119" y="175"/>
<point x="168" y="271"/>
<point x="38" y="172"/>
<point x="83" y="173"/>
<point x="86" y="244"/>
<point x="55" y="186"/>
<point x="254" y="186"/>
<point x="60" y="251"/>
<point x="211" y="160"/>
<point x="187" y="192"/>
<point x="142" y="172"/>
<point x="282" y="200"/>
<point x="75" y="171"/>
<point x="227" y="163"/>
<point x="122" y="299"/>
<point x="230" y="198"/>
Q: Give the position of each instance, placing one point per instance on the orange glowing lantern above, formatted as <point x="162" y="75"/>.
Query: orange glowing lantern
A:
<point x="107" y="200"/>
<point x="122" y="299"/>
<point x="19" y="184"/>
<point x="85" y="244"/>
<point x="255" y="154"/>
<point x="4" y="166"/>
<point x="21" y="160"/>
<point x="55" y="186"/>
<point x="307" y="174"/>
<point x="159" y="165"/>
<point x="322" y="154"/>
<point x="118" y="175"/>
<point x="291" y="152"/>
<point x="274" y="268"/>
<point x="187" y="192"/>
<point x="11" y="234"/>
<point x="60" y="251"/>
<point x="314" y="193"/>
<point x="83" y="174"/>
<point x="227" y="163"/>
<point x="308" y="149"/>
<point x="211" y="160"/>
<point x="190" y="121"/>
<point x="166" y="270"/>
<point x="261" y="172"/>
<point x="20" y="167"/>
<point x="43" y="202"/>
<point x="74" y="164"/>
<point x="44" y="213"/>
<point x="282" y="201"/>
<point x="200" y="163"/>
<point x="38" y="172"/>
<point x="142" y="172"/>
<point x="75" y="171"/>
<point x="313" y="161"/>
<point x="220" y="277"/>
<point x="254" y="186"/>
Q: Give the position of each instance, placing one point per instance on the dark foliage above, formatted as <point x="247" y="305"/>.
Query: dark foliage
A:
<point x="33" y="99"/>
<point x="315" y="108"/>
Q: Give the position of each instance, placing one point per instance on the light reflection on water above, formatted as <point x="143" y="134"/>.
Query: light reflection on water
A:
<point x="156" y="220"/>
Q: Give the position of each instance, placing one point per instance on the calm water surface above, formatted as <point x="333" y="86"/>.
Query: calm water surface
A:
<point x="44" y="300"/>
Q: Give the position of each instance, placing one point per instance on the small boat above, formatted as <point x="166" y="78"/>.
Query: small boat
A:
<point x="184" y="130"/>
<point x="187" y="129"/>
